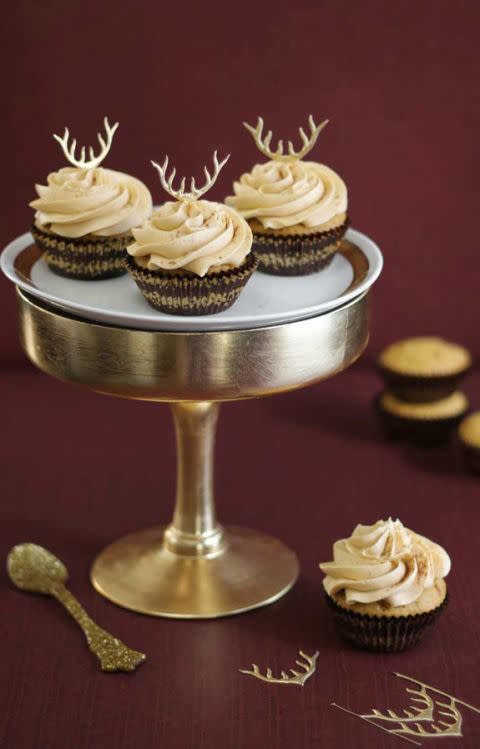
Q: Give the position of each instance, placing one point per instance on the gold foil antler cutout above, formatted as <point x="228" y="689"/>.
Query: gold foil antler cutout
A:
<point x="415" y="713"/>
<point x="420" y="722"/>
<point x="94" y="160"/>
<point x="297" y="677"/>
<point x="195" y="192"/>
<point x="292" y="155"/>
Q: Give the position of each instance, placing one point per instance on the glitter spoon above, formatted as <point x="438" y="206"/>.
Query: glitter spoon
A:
<point x="34" y="569"/>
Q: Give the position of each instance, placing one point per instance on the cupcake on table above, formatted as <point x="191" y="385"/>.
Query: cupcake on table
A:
<point x="192" y="257"/>
<point x="385" y="585"/>
<point x="296" y="209"/>
<point x="84" y="215"/>
<point x="469" y="438"/>
<point x="421" y="401"/>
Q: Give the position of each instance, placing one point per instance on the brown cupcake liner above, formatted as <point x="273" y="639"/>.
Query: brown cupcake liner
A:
<point x="297" y="254"/>
<point x="419" y="431"/>
<point x="185" y="293"/>
<point x="86" y="258"/>
<point x="384" y="634"/>
<point x="422" y="389"/>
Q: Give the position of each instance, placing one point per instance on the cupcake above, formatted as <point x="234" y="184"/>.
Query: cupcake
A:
<point x="423" y="369"/>
<point x="385" y="585"/>
<point x="84" y="215"/>
<point x="469" y="437"/>
<point x="296" y="209"/>
<point x="428" y="423"/>
<point x="192" y="257"/>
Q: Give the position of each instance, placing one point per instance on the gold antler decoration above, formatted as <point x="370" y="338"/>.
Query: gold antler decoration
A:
<point x="297" y="678"/>
<point x="424" y="712"/>
<point x="292" y="155"/>
<point x="195" y="192"/>
<point x="420" y="721"/>
<point x="94" y="160"/>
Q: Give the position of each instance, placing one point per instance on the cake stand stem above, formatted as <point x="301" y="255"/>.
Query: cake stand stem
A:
<point x="194" y="568"/>
<point x="194" y="530"/>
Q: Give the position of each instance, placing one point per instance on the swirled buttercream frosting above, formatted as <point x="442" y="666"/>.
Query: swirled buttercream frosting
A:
<point x="197" y="236"/>
<point x="281" y="194"/>
<point x="384" y="562"/>
<point x="76" y="202"/>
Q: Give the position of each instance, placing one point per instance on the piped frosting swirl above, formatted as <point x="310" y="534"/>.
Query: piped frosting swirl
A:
<point x="197" y="236"/>
<point x="384" y="562"/>
<point x="281" y="194"/>
<point x="77" y="201"/>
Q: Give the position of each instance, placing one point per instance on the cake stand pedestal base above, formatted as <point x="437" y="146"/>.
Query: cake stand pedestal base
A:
<point x="140" y="573"/>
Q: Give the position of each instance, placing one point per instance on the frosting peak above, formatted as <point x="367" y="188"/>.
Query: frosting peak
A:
<point x="193" y="235"/>
<point x="79" y="201"/>
<point x="384" y="562"/>
<point x="287" y="193"/>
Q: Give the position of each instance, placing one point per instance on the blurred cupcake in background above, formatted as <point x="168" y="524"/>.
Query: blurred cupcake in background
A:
<point x="469" y="437"/>
<point x="423" y="369"/>
<point x="425" y="423"/>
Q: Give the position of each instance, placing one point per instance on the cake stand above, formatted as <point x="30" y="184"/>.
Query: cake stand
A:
<point x="194" y="567"/>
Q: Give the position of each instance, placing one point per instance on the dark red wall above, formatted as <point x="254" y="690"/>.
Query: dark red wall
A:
<point x="399" y="82"/>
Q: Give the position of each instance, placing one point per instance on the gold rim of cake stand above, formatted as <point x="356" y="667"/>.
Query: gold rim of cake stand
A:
<point x="193" y="568"/>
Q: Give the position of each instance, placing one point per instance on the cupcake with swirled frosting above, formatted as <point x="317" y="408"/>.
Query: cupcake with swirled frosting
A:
<point x="296" y="209"/>
<point x="85" y="214"/>
<point x="192" y="257"/>
<point x="385" y="585"/>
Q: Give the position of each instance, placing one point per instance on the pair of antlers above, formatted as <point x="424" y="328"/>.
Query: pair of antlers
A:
<point x="167" y="182"/>
<point x="263" y="146"/>
<point x="94" y="161"/>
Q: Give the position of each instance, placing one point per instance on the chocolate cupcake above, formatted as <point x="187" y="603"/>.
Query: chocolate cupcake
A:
<point x="385" y="585"/>
<point x="425" y="423"/>
<point x="423" y="369"/>
<point x="469" y="438"/>
<point x="85" y="214"/>
<point x="296" y="209"/>
<point x="192" y="257"/>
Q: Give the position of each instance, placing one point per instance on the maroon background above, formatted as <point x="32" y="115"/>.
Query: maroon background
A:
<point x="399" y="84"/>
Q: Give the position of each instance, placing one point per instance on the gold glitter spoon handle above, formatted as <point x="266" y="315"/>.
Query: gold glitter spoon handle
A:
<point x="36" y="570"/>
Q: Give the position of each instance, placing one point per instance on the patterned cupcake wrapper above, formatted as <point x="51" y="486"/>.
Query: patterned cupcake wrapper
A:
<point x="421" y="431"/>
<point x="418" y="389"/>
<point x="85" y="258"/>
<point x="384" y="634"/>
<point x="185" y="293"/>
<point x="297" y="254"/>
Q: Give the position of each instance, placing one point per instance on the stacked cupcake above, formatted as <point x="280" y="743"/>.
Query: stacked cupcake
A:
<point x="421" y="401"/>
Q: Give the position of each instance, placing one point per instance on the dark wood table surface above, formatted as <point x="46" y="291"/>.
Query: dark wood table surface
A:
<point x="79" y="470"/>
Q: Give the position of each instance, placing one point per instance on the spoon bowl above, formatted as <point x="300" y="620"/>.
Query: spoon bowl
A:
<point x="33" y="568"/>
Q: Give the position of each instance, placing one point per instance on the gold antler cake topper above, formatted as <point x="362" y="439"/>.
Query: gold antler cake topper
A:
<point x="297" y="677"/>
<point x="94" y="160"/>
<point x="195" y="192"/>
<point x="292" y="155"/>
<point x="420" y="721"/>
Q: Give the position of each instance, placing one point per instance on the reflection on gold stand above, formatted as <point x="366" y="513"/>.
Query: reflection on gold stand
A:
<point x="193" y="568"/>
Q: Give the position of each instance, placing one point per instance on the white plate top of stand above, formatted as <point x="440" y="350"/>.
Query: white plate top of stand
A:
<point x="265" y="300"/>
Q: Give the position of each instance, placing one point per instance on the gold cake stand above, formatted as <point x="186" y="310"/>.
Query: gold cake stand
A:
<point x="194" y="567"/>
